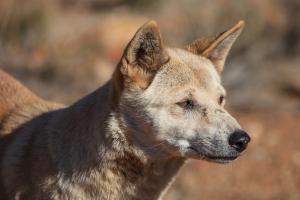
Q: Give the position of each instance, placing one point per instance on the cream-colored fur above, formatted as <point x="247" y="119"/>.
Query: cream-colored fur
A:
<point x="129" y="138"/>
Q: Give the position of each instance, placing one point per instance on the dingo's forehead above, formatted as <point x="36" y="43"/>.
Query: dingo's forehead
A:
<point x="186" y="69"/>
<point x="192" y="61"/>
<point x="186" y="74"/>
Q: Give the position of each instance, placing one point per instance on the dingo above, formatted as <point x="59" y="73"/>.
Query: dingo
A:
<point x="129" y="138"/>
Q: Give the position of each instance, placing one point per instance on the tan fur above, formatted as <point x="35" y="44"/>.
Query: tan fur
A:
<point x="126" y="140"/>
<point x="18" y="104"/>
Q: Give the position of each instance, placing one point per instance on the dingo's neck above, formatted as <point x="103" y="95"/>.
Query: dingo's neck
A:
<point x="98" y="154"/>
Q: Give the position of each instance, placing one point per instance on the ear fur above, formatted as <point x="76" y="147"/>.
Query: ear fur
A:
<point x="217" y="48"/>
<point x="144" y="55"/>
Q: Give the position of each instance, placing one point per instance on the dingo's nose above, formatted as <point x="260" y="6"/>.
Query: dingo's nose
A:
<point x="239" y="140"/>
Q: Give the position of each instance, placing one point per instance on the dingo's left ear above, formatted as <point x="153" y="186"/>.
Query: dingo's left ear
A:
<point x="144" y="55"/>
<point x="217" y="48"/>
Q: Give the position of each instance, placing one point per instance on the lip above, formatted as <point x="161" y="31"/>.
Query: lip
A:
<point x="225" y="158"/>
<point x="219" y="159"/>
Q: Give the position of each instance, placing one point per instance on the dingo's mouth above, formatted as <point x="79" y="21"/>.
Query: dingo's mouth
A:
<point x="217" y="159"/>
<point x="222" y="158"/>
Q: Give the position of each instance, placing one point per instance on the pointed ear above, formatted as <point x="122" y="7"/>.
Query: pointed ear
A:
<point x="144" y="55"/>
<point x="217" y="48"/>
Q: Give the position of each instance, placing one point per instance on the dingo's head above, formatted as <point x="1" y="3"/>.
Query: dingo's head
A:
<point x="172" y="100"/>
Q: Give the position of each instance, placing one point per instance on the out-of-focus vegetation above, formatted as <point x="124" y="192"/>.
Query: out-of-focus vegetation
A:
<point x="64" y="49"/>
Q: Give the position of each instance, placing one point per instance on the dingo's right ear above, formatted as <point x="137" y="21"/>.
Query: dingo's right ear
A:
<point x="143" y="56"/>
<point x="217" y="48"/>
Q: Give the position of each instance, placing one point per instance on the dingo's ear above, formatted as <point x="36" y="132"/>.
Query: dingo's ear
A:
<point x="217" y="48"/>
<point x="144" y="55"/>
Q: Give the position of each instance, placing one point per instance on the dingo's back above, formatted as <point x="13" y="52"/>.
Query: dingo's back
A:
<point x="18" y="104"/>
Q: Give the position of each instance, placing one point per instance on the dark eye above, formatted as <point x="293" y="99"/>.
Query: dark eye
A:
<point x="221" y="99"/>
<point x="187" y="104"/>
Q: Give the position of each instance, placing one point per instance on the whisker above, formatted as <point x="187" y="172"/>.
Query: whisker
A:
<point x="155" y="145"/>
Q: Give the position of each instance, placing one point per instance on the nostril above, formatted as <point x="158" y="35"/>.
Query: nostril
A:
<point x="239" y="140"/>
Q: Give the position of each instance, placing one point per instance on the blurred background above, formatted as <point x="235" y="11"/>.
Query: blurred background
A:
<point x="64" y="49"/>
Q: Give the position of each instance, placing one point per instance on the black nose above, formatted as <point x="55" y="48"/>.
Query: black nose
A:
<point x="239" y="140"/>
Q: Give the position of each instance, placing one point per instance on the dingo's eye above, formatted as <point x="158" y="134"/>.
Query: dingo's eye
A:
<point x="221" y="100"/>
<point x="187" y="104"/>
